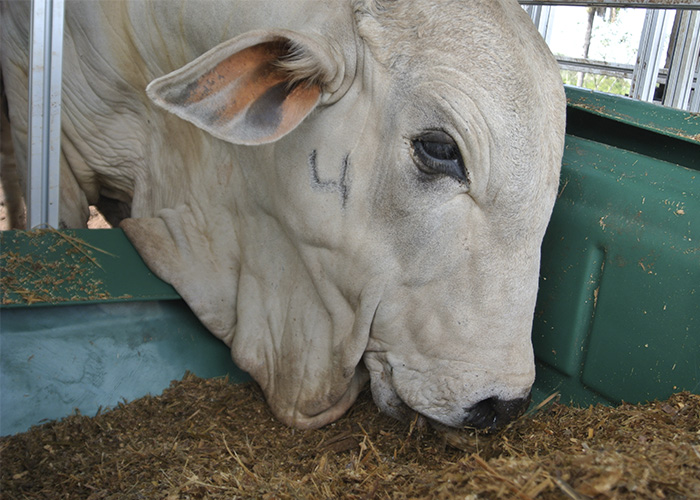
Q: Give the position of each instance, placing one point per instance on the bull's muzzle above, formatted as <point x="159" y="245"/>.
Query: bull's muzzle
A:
<point x="494" y="413"/>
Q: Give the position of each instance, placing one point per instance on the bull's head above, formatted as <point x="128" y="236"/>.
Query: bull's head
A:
<point x="381" y="194"/>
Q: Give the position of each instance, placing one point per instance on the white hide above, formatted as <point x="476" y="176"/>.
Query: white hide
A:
<point x="293" y="218"/>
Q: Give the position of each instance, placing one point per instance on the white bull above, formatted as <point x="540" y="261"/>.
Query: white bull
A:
<point x="342" y="191"/>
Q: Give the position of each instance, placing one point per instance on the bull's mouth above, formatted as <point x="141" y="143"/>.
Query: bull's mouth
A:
<point x="490" y="414"/>
<point x="399" y="410"/>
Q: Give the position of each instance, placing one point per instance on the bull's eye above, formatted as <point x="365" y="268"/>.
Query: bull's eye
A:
<point x="436" y="153"/>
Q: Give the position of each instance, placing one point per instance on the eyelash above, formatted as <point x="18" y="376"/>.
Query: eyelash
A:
<point x="437" y="153"/>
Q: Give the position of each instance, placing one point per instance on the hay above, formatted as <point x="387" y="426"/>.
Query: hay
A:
<point x="56" y="267"/>
<point x="210" y="439"/>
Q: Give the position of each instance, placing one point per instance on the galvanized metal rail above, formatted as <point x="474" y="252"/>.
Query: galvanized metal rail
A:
<point x="647" y="4"/>
<point x="679" y="78"/>
<point x="43" y="160"/>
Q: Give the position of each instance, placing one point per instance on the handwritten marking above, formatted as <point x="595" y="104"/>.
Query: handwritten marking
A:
<point x="341" y="186"/>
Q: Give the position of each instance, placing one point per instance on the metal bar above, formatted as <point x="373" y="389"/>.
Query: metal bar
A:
<point x="694" y="105"/>
<point x="649" y="55"/>
<point x="45" y="112"/>
<point x="597" y="67"/>
<point x="684" y="61"/>
<point x="648" y="4"/>
<point x="542" y="18"/>
<point x="604" y="68"/>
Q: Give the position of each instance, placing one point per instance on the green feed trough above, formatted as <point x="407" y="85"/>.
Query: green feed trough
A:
<point x="618" y="312"/>
<point x="84" y="324"/>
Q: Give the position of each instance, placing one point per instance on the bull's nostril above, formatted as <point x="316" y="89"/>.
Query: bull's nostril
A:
<point x="494" y="412"/>
<point x="482" y="415"/>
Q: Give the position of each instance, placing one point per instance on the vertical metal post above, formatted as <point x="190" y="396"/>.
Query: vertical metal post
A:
<point x="694" y="105"/>
<point x="45" y="112"/>
<point x="541" y="16"/>
<point x="649" y="56"/>
<point x="684" y="61"/>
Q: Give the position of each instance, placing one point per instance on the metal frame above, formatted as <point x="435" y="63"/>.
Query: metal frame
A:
<point x="647" y="4"/>
<point x="681" y="79"/>
<point x="541" y="15"/>
<point x="684" y="63"/>
<point x="694" y="103"/>
<point x="45" y="61"/>
<point x="598" y="67"/>
<point x="650" y="54"/>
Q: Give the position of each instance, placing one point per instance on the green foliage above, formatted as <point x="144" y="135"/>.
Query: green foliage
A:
<point x="602" y="83"/>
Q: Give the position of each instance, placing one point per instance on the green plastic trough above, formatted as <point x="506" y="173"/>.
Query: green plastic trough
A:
<point x="84" y="329"/>
<point x="618" y="312"/>
<point x="617" y="318"/>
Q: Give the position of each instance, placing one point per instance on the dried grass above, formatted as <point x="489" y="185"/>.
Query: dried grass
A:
<point x="54" y="267"/>
<point x="210" y="439"/>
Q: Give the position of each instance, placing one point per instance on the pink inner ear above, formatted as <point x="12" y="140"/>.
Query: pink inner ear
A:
<point x="248" y="62"/>
<point x="255" y="94"/>
<point x="299" y="102"/>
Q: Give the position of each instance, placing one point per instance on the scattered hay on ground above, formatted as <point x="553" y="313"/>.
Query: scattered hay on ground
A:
<point x="52" y="266"/>
<point x="210" y="439"/>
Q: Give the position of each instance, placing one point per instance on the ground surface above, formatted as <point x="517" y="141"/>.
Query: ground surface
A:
<point x="211" y="439"/>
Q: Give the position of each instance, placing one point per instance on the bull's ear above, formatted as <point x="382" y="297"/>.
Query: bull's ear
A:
<point x="252" y="89"/>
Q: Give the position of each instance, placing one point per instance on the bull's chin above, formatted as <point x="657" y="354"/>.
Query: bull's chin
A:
<point x="302" y="418"/>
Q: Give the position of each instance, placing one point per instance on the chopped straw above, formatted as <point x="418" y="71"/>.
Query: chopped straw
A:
<point x="207" y="438"/>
